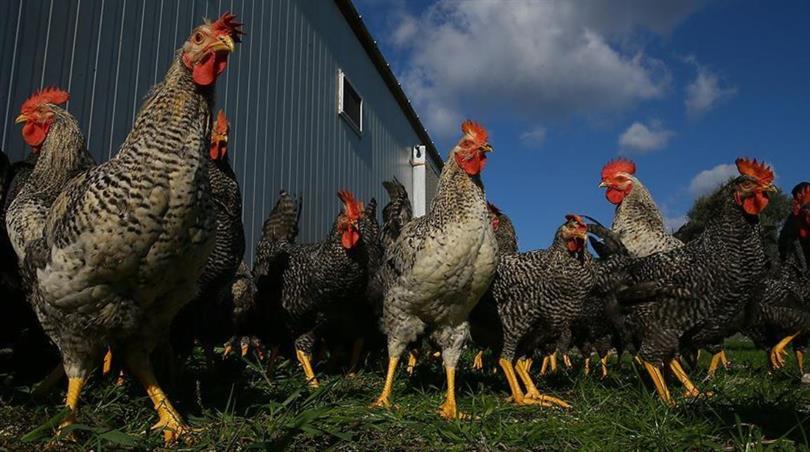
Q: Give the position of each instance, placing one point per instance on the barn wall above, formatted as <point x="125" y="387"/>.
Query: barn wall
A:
<point x="279" y="92"/>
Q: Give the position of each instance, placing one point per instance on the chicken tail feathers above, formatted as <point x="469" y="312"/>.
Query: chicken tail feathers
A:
<point x="282" y="224"/>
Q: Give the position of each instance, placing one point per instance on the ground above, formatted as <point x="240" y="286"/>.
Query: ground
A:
<point x="243" y="408"/>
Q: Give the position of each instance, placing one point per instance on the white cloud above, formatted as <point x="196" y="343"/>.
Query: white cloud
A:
<point x="642" y="138"/>
<point x="706" y="91"/>
<point x="708" y="180"/>
<point x="672" y="224"/>
<point x="535" y="59"/>
<point x="534" y="138"/>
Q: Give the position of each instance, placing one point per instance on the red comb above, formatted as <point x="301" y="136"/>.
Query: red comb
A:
<point x="803" y="197"/>
<point x="54" y="96"/>
<point x="351" y="206"/>
<point x="493" y="208"/>
<point x="618" y="166"/>
<point x="476" y="130"/>
<point x="576" y="218"/>
<point x="758" y="170"/>
<point x="227" y="24"/>
<point x="221" y="125"/>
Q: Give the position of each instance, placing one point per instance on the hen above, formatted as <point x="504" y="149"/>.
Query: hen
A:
<point x="535" y="298"/>
<point x="696" y="294"/>
<point x="310" y="288"/>
<point x="55" y="137"/>
<point x="396" y="213"/>
<point x="205" y="319"/>
<point x="126" y="242"/>
<point x="441" y="265"/>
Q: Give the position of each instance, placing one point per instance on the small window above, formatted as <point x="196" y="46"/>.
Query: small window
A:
<point x="350" y="104"/>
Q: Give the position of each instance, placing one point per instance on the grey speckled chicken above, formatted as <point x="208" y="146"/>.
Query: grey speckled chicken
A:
<point x="126" y="242"/>
<point x="782" y="315"/>
<point x="396" y="213"/>
<point x="537" y="296"/>
<point x="55" y="137"/>
<point x="206" y="318"/>
<point x="697" y="294"/>
<point x="505" y="233"/>
<point x="310" y="289"/>
<point x="441" y="265"/>
<point x="18" y="174"/>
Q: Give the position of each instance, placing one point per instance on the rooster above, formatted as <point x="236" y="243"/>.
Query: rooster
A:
<point x="125" y="243"/>
<point x="441" y="265"/>
<point x="310" y="287"/>
<point x="54" y="135"/>
<point x="535" y="296"/>
<point x="697" y="294"/>
<point x="204" y="319"/>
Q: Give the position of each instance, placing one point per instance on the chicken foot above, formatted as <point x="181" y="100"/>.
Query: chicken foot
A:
<point x="778" y="353"/>
<point x="517" y="395"/>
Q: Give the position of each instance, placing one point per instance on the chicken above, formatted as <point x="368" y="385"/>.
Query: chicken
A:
<point x="243" y="304"/>
<point x="535" y="298"/>
<point x="697" y="294"/>
<point x="311" y="287"/>
<point x="441" y="265"/>
<point x="782" y="314"/>
<point x="17" y="175"/>
<point x="206" y="318"/>
<point x="126" y="242"/>
<point x="55" y="137"/>
<point x="396" y="213"/>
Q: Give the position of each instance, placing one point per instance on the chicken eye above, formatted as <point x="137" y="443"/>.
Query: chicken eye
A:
<point x="198" y="38"/>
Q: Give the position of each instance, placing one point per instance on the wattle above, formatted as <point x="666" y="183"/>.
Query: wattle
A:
<point x="755" y="204"/>
<point x="34" y="134"/>
<point x="615" y="196"/>
<point x="350" y="238"/>
<point x="206" y="71"/>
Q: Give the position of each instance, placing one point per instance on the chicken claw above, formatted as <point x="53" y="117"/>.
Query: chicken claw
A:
<point x="478" y="361"/>
<point x="384" y="400"/>
<point x="411" y="363"/>
<point x="778" y="352"/>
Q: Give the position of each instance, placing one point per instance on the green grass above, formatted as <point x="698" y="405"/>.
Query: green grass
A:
<point x="244" y="409"/>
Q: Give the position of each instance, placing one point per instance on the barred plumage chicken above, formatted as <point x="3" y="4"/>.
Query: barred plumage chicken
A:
<point x="535" y="296"/>
<point x="205" y="319"/>
<point x="441" y="265"/>
<point x="55" y="137"/>
<point x="311" y="288"/>
<point x="126" y="242"/>
<point x="505" y="233"/>
<point x="396" y="213"/>
<point x="697" y="294"/>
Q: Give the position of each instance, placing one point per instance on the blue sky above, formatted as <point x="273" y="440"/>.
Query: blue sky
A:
<point x="682" y="88"/>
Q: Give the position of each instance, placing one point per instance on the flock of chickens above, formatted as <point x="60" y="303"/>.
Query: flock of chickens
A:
<point x="144" y="252"/>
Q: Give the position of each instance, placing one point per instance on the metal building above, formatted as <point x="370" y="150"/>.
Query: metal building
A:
<point x="312" y="103"/>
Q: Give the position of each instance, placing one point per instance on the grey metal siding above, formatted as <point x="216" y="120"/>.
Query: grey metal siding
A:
<point x="279" y="92"/>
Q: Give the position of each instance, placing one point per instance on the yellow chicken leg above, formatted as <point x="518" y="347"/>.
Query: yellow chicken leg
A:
<point x="107" y="366"/>
<point x="567" y="361"/>
<point x="586" y="368"/>
<point x="544" y="366"/>
<point x="478" y="361"/>
<point x="658" y="381"/>
<point x="306" y="363"/>
<point x="411" y="367"/>
<point x="690" y="390"/>
<point x="799" y="360"/>
<point x="75" y="386"/>
<point x="553" y="361"/>
<point x="523" y="369"/>
<point x="517" y="394"/>
<point x="384" y="400"/>
<point x="449" y="410"/>
<point x="713" y="366"/>
<point x="778" y="352"/>
<point x="169" y="420"/>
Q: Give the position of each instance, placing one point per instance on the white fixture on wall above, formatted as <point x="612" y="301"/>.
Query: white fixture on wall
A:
<point x="418" y="168"/>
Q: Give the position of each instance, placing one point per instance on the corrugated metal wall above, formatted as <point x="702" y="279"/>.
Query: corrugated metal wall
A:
<point x="279" y="91"/>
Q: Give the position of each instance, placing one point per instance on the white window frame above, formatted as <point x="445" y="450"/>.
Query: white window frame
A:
<point x="341" y="80"/>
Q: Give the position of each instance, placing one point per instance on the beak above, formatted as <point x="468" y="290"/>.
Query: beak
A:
<point x="225" y="43"/>
<point x="602" y="184"/>
<point x="771" y="188"/>
<point x="487" y="148"/>
<point x="21" y="118"/>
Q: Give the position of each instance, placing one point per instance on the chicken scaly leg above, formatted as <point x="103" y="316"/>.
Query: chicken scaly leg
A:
<point x="517" y="394"/>
<point x="449" y="410"/>
<point x="169" y="420"/>
<point x="567" y="361"/>
<point x="411" y="363"/>
<point x="523" y="369"/>
<point x="778" y="352"/>
<point x="384" y="400"/>
<point x="799" y="359"/>
<point x="306" y="363"/>
<point x="107" y="366"/>
<point x="75" y="385"/>
<point x="658" y="381"/>
<point x="690" y="390"/>
<point x="603" y="362"/>
<point x="478" y="361"/>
